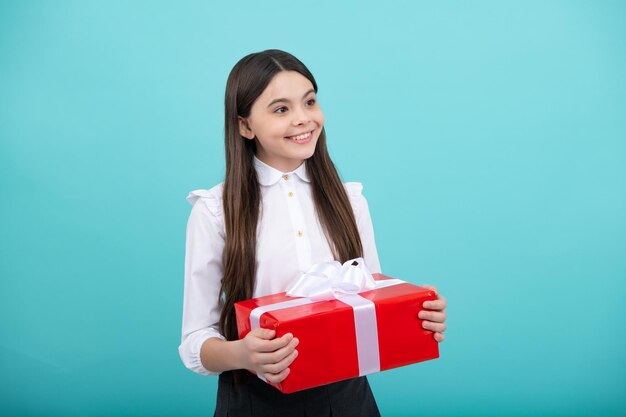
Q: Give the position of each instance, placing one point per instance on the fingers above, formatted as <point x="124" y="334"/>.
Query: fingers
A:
<point x="435" y="327"/>
<point x="439" y="304"/>
<point x="277" y="378"/>
<point x="261" y="345"/>
<point x="266" y="334"/>
<point x="436" y="316"/>
<point x="263" y="333"/>
<point x="275" y="368"/>
<point x="434" y="320"/>
<point x="274" y="365"/>
<point x="280" y="354"/>
<point x="273" y="356"/>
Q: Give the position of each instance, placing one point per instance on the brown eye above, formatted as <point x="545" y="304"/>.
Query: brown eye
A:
<point x="280" y="110"/>
<point x="310" y="102"/>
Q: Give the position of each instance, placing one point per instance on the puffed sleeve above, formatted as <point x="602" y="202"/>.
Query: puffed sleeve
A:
<point x="203" y="275"/>
<point x="364" y="224"/>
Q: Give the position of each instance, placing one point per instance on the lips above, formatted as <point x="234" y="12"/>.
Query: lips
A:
<point x="301" y="136"/>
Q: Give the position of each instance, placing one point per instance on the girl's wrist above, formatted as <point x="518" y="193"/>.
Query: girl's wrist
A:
<point x="238" y="357"/>
<point x="218" y="355"/>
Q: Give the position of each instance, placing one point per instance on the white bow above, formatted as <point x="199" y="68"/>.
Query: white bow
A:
<point x="328" y="280"/>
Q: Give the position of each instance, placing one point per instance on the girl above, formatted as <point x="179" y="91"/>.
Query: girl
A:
<point x="281" y="208"/>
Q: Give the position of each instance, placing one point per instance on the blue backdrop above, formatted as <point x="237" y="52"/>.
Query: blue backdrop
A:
<point x="489" y="136"/>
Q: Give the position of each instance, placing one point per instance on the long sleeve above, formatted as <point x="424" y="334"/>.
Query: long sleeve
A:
<point x="203" y="275"/>
<point x="364" y="224"/>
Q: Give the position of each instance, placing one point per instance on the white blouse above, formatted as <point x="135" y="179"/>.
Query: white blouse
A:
<point x="290" y="239"/>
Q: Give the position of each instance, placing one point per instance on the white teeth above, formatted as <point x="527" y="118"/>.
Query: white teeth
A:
<point x="301" y="137"/>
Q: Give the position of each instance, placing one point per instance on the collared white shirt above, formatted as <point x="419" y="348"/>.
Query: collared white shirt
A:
<point x="290" y="239"/>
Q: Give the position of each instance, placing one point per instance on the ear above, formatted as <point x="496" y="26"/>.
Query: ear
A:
<point x="244" y="129"/>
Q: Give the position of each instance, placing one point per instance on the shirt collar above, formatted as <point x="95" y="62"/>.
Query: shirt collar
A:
<point x="269" y="176"/>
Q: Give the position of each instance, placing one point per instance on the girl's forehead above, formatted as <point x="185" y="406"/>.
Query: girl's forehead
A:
<point x="290" y="85"/>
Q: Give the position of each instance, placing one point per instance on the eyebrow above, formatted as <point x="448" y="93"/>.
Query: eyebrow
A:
<point x="312" y="90"/>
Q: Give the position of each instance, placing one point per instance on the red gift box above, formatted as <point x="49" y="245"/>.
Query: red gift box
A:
<point x="328" y="350"/>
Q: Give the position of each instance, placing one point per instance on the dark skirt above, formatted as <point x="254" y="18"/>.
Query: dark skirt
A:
<point x="349" y="398"/>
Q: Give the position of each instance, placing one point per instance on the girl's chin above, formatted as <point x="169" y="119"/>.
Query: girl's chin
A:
<point x="305" y="152"/>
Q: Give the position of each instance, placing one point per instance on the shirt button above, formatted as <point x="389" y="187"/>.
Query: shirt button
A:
<point x="290" y="194"/>
<point x="285" y="177"/>
<point x="300" y="233"/>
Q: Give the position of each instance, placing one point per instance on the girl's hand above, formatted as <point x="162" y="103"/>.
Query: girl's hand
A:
<point x="268" y="357"/>
<point x="434" y="320"/>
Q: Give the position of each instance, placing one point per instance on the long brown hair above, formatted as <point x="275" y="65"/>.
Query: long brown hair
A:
<point x="242" y="196"/>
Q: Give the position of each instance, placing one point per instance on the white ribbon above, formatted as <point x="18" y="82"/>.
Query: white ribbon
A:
<point x="334" y="281"/>
<point x="326" y="280"/>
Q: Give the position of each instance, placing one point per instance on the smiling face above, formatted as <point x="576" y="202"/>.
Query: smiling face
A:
<point x="285" y="120"/>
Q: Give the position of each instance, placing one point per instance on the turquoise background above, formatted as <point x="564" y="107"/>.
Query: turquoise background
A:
<point x="490" y="138"/>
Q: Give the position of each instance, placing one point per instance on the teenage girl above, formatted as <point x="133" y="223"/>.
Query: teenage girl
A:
<point x="281" y="208"/>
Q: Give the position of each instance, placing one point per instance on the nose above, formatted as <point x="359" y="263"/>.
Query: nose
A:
<point x="300" y="116"/>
